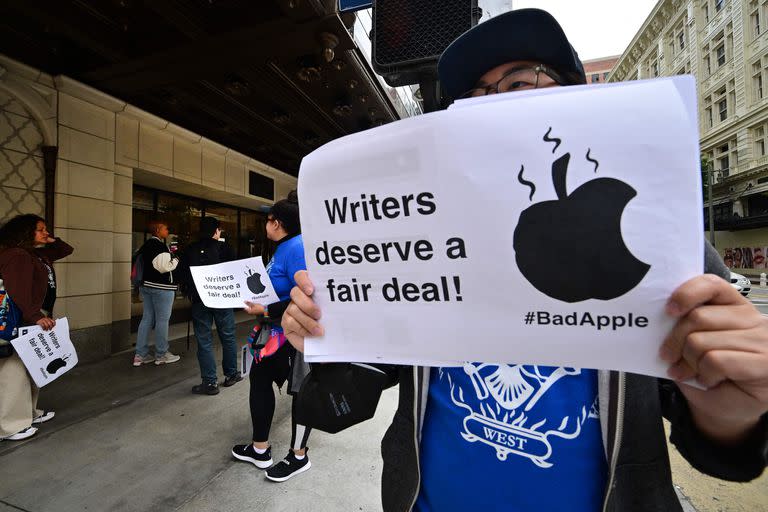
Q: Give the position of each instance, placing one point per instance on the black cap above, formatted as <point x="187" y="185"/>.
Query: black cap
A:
<point x="522" y="34"/>
<point x="208" y="226"/>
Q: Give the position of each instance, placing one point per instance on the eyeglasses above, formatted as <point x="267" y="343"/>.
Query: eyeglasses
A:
<point x="517" y="79"/>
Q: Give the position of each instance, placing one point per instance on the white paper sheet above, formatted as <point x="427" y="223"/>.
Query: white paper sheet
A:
<point x="502" y="248"/>
<point x="230" y="284"/>
<point x="47" y="355"/>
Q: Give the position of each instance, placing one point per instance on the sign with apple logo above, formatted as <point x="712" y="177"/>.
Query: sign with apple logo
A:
<point x="230" y="284"/>
<point x="585" y="225"/>
<point x="47" y="355"/>
<point x="542" y="227"/>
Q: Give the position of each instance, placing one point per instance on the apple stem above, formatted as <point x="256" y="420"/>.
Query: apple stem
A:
<point x="559" y="172"/>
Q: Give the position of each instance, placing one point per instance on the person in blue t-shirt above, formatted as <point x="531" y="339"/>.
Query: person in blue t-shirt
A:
<point x="276" y="361"/>
<point x="518" y="437"/>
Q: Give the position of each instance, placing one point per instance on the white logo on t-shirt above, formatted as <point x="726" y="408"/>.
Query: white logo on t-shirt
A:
<point x="502" y="416"/>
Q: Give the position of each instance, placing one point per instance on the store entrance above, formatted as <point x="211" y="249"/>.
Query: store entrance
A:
<point x="243" y="229"/>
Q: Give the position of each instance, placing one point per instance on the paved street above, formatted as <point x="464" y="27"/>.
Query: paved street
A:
<point x="135" y="439"/>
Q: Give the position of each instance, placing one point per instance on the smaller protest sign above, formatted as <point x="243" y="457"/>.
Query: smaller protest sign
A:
<point x="231" y="284"/>
<point x="47" y="355"/>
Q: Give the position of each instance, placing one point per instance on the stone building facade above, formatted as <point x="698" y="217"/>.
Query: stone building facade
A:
<point x="724" y="44"/>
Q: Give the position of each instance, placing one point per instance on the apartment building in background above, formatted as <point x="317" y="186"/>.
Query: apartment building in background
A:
<point x="724" y="45"/>
<point x="599" y="70"/>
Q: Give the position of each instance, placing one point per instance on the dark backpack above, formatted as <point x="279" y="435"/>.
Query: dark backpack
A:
<point x="197" y="254"/>
<point x="10" y="321"/>
<point x="137" y="269"/>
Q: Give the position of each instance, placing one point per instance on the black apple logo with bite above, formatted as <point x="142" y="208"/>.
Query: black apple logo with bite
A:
<point x="571" y="249"/>
<point x="254" y="282"/>
<point x="56" y="365"/>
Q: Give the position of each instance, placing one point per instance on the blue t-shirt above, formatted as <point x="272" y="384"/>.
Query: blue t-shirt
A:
<point x="512" y="438"/>
<point x="287" y="260"/>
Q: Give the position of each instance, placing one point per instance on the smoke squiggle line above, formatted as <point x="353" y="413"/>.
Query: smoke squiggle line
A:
<point x="526" y="182"/>
<point x="597" y="164"/>
<point x="553" y="139"/>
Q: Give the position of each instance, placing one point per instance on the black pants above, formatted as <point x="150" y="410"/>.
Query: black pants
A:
<point x="274" y="369"/>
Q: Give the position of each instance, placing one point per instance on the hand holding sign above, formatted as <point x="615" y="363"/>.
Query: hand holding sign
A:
<point x="721" y="340"/>
<point x="301" y="318"/>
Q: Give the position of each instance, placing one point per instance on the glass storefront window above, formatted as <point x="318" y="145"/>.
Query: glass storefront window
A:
<point x="253" y="237"/>
<point x="182" y="215"/>
<point x="228" y="222"/>
<point x="143" y="210"/>
<point x="243" y="229"/>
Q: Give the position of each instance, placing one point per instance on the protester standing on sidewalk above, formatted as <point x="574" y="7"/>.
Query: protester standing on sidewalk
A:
<point x="210" y="250"/>
<point x="158" y="290"/>
<point x="617" y="460"/>
<point x="27" y="253"/>
<point x="274" y="359"/>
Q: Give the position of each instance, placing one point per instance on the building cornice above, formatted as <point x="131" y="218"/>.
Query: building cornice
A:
<point x="645" y="38"/>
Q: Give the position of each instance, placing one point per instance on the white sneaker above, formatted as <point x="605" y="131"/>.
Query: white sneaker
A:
<point x="21" y="434"/>
<point x="138" y="360"/>
<point x="167" y="358"/>
<point x="44" y="416"/>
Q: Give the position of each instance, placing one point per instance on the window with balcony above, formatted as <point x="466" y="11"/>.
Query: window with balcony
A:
<point x="754" y="19"/>
<point x="720" y="54"/>
<point x="757" y="81"/>
<point x="723" y="159"/>
<point x="758" y="139"/>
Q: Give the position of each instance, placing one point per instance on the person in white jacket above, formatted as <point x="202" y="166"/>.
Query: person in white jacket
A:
<point x="158" y="290"/>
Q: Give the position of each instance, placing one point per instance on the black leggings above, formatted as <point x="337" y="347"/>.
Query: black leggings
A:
<point x="262" y="399"/>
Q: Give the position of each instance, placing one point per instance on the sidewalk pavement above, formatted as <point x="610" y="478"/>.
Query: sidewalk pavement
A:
<point x="136" y="439"/>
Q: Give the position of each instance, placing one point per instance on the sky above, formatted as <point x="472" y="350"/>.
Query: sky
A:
<point x="596" y="28"/>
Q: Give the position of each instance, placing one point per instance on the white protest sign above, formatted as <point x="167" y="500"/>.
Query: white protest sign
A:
<point x="535" y="229"/>
<point x="230" y="284"/>
<point x="47" y="355"/>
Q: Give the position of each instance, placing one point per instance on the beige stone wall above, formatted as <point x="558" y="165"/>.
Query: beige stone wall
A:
<point x="105" y="146"/>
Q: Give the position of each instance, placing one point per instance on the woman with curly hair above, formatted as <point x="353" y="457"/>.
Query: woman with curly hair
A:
<point x="27" y="253"/>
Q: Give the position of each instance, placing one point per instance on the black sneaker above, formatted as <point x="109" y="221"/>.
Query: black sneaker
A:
<point x="232" y="380"/>
<point x="288" y="467"/>
<point x="248" y="454"/>
<point x="206" y="388"/>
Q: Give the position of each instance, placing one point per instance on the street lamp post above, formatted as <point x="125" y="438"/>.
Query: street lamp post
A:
<point x="709" y="172"/>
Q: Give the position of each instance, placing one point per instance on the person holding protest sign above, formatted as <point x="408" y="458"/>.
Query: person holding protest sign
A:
<point x="27" y="253"/>
<point x="158" y="290"/>
<point x="274" y="359"/>
<point x="609" y="452"/>
<point x="210" y="250"/>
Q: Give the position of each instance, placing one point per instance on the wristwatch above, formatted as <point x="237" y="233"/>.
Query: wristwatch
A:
<point x="266" y="312"/>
